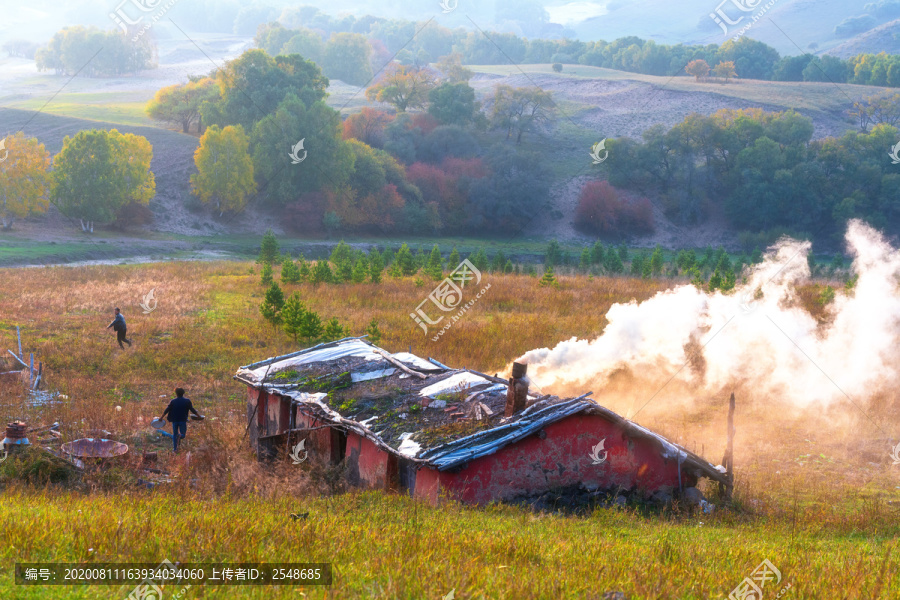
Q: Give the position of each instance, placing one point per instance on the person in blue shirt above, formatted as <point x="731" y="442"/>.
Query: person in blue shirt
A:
<point x="118" y="325"/>
<point x="177" y="410"/>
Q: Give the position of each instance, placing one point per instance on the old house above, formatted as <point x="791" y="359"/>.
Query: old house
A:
<point x="417" y="426"/>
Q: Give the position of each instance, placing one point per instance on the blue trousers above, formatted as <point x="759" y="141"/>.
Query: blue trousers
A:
<point x="176" y="427"/>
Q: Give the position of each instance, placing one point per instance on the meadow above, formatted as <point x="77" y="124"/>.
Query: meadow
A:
<point x="814" y="488"/>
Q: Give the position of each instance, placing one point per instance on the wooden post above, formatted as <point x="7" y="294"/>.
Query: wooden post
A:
<point x="728" y="460"/>
<point x="19" y="338"/>
<point x="31" y="368"/>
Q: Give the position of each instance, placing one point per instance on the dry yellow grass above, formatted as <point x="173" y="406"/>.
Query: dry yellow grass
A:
<point x="812" y="486"/>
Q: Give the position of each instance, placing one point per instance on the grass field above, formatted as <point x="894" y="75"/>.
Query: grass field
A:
<point x="824" y="97"/>
<point x="812" y="487"/>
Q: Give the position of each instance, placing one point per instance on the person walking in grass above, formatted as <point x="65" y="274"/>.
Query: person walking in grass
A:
<point x="177" y="410"/>
<point x="118" y="325"/>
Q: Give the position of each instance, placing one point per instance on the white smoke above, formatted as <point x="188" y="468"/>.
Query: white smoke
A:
<point x="757" y="334"/>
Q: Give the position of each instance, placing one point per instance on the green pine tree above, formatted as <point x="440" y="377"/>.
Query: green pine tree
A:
<point x="266" y="275"/>
<point x="508" y="267"/>
<point x="311" y="327"/>
<point x="480" y="260"/>
<point x="623" y="253"/>
<point x="387" y="257"/>
<point x="549" y="279"/>
<point x="454" y="259"/>
<point x="289" y="271"/>
<point x="584" y="261"/>
<point x="598" y="253"/>
<point x="333" y="330"/>
<point x="376" y="266"/>
<point x="553" y="256"/>
<point x="272" y="304"/>
<point x="656" y="262"/>
<point x="421" y="258"/>
<point x="756" y="257"/>
<point x="715" y="281"/>
<point x="342" y="252"/>
<point x="406" y="262"/>
<point x="360" y="269"/>
<point x="305" y="271"/>
<point x="613" y="262"/>
<point x="373" y="332"/>
<point x="268" y="249"/>
<point x="321" y="273"/>
<point x="292" y="316"/>
<point x="435" y="268"/>
<point x="637" y="265"/>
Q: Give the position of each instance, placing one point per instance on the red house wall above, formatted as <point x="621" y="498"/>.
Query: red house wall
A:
<point x="561" y="459"/>
<point x="369" y="465"/>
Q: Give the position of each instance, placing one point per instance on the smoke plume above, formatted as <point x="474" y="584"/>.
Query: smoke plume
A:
<point x="757" y="335"/>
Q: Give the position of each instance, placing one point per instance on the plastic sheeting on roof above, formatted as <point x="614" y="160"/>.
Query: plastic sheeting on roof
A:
<point x="369" y="375"/>
<point x="408" y="447"/>
<point x="457" y="382"/>
<point x="357" y="348"/>
<point x="416" y="362"/>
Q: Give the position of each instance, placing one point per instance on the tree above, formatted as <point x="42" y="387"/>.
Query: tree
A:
<point x="403" y="87"/>
<point x="435" y="267"/>
<point x="224" y="169"/>
<point x="306" y="43"/>
<point x="272" y="305"/>
<point x="725" y="70"/>
<point x="289" y="271"/>
<point x="268" y="249"/>
<point x="180" y="104"/>
<point x="656" y="261"/>
<point x="292" y="314"/>
<point x="521" y="110"/>
<point x="254" y="84"/>
<point x="453" y="260"/>
<point x="266" y="277"/>
<point x="452" y="103"/>
<point x="346" y="57"/>
<point x="333" y="330"/>
<point x="598" y="252"/>
<point x="549" y="279"/>
<point x="405" y="261"/>
<point x="24" y="179"/>
<point x="311" y="326"/>
<point x="557" y="67"/>
<point x="321" y="273"/>
<point x="452" y="70"/>
<point x="376" y="266"/>
<point x="699" y="68"/>
<point x="328" y="161"/>
<point x="97" y="172"/>
<point x="360" y="270"/>
<point x="373" y="332"/>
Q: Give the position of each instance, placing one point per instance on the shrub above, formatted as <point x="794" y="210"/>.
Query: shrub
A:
<point x="601" y="211"/>
<point x="557" y="67"/>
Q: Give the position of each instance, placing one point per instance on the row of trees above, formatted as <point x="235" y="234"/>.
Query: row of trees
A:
<point x="375" y="171"/>
<point x="415" y="44"/>
<point x="764" y="170"/>
<point x="91" y="52"/>
<point x="96" y="177"/>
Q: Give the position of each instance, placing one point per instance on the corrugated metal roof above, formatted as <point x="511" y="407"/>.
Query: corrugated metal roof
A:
<point x="369" y="365"/>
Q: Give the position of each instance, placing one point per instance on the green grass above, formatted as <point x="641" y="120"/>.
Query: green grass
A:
<point x="391" y="547"/>
<point x="122" y="108"/>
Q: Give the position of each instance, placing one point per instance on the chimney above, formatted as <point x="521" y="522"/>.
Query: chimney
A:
<point x="517" y="391"/>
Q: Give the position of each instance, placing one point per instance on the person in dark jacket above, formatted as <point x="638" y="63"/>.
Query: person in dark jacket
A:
<point x="118" y="325"/>
<point x="177" y="410"/>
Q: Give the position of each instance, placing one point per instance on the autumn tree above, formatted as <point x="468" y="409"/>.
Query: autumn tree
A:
<point x="725" y="70"/>
<point x="367" y="126"/>
<point x="224" y="168"/>
<point x="97" y="172"/>
<point x="180" y="104"/>
<point x="452" y="103"/>
<point x="254" y="84"/>
<point x="452" y="69"/>
<point x="404" y="87"/>
<point x="699" y="68"/>
<point x="24" y="179"/>
<point x="521" y="110"/>
<point x="346" y="57"/>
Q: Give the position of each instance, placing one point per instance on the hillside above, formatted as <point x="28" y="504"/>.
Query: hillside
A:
<point x="884" y="38"/>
